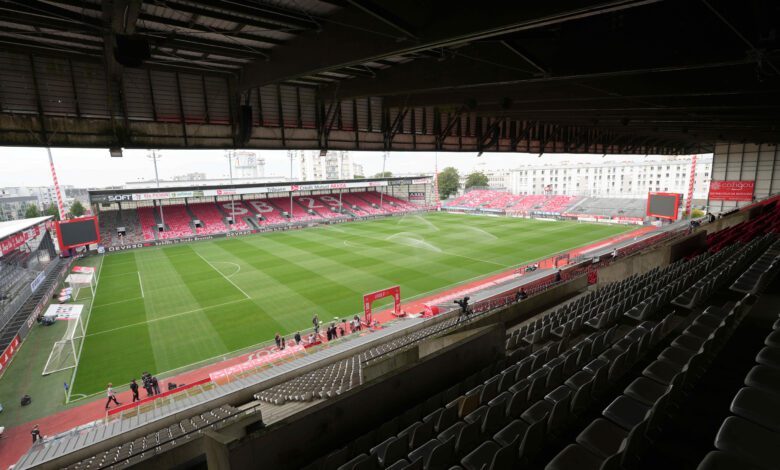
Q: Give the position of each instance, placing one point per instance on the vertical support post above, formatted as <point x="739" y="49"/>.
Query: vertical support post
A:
<point x="691" y="184"/>
<point x="57" y="192"/>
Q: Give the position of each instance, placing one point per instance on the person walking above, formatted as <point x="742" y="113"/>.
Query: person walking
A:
<point x="278" y="340"/>
<point x="111" y="396"/>
<point x="316" y="322"/>
<point x="297" y="338"/>
<point x="284" y="343"/>
<point x="134" y="389"/>
<point x="36" y="434"/>
<point x="155" y="386"/>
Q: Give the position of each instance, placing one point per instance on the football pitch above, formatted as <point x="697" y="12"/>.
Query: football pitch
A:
<point x="160" y="309"/>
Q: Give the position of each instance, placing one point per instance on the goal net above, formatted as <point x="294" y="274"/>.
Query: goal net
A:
<point x="64" y="353"/>
<point x="79" y="282"/>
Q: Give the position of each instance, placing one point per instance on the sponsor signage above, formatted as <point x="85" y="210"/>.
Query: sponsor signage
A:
<point x="257" y="361"/>
<point x="416" y="196"/>
<point x="9" y="352"/>
<point x="16" y="240"/>
<point x="368" y="299"/>
<point x="731" y="190"/>
<point x="38" y="281"/>
<point x="421" y="181"/>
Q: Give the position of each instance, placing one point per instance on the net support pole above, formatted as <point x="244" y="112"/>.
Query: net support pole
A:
<point x="60" y="207"/>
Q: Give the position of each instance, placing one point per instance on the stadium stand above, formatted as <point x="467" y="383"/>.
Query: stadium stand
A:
<point x="237" y="211"/>
<point x="210" y="216"/>
<point x="528" y="203"/>
<point x="379" y="202"/>
<point x="319" y="208"/>
<point x="475" y="198"/>
<point x="271" y="215"/>
<point x="503" y="201"/>
<point x="359" y="206"/>
<point x="558" y="203"/>
<point x="141" y="224"/>
<point x="610" y="207"/>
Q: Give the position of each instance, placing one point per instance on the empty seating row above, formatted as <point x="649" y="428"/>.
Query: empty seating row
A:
<point x="750" y="438"/>
<point x="134" y="452"/>
<point x="631" y="422"/>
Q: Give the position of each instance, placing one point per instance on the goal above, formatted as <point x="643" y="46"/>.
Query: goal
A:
<point x="77" y="282"/>
<point x="64" y="354"/>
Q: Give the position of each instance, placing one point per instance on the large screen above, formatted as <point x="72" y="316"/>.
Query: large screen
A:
<point x="78" y="232"/>
<point x="663" y="205"/>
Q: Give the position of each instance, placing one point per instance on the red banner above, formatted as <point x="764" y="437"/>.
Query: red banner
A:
<point x="18" y="239"/>
<point x="368" y="299"/>
<point x="731" y="190"/>
<point x="8" y="354"/>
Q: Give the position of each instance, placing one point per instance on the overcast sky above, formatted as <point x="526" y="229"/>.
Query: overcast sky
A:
<point x="22" y="166"/>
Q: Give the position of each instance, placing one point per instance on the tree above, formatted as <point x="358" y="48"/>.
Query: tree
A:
<point x="386" y="174"/>
<point x="52" y="211"/>
<point x="32" y="211"/>
<point x="476" y="179"/>
<point x="449" y="181"/>
<point x="77" y="209"/>
<point x="358" y="177"/>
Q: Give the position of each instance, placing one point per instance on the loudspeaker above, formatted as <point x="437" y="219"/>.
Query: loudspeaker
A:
<point x="26" y="400"/>
<point x="131" y="50"/>
<point x="244" y="123"/>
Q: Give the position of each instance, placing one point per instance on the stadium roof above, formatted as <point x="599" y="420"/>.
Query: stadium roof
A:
<point x="11" y="227"/>
<point x="608" y="76"/>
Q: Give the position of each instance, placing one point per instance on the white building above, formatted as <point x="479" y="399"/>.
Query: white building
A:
<point x="248" y="165"/>
<point x="44" y="195"/>
<point x="626" y="179"/>
<point x="335" y="165"/>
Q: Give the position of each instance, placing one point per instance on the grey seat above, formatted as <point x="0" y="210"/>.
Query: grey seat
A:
<point x="516" y="429"/>
<point x="481" y="457"/>
<point x="662" y="371"/>
<point x="765" y="378"/>
<point x="644" y="390"/>
<point x="361" y="461"/>
<point x="575" y="457"/>
<point x="717" y="460"/>
<point x="390" y="450"/>
<point x="769" y="357"/>
<point x="599" y="368"/>
<point x="560" y="403"/>
<point x="519" y="400"/>
<point x="580" y="385"/>
<point x="602" y="437"/>
<point x="749" y="442"/>
<point x="758" y="406"/>
<point x="536" y="416"/>
<point x="773" y="339"/>
<point x="626" y="412"/>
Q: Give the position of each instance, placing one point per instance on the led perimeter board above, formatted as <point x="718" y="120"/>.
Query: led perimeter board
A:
<point x="77" y="232"/>
<point x="663" y="205"/>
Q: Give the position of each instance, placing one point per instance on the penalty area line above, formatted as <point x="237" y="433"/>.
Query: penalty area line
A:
<point x="140" y="284"/>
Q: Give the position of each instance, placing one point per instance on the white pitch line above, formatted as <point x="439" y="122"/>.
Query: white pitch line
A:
<point x="140" y="284"/>
<point x="167" y="317"/>
<point x="220" y="273"/>
<point x="118" y="302"/>
<point x="86" y="328"/>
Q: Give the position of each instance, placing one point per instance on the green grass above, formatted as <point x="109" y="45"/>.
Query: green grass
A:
<point x="165" y="308"/>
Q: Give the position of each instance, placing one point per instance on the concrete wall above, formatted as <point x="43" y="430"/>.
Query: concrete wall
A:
<point x="302" y="438"/>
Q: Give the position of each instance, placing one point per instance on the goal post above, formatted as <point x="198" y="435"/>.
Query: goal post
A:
<point x="64" y="354"/>
<point x="80" y="281"/>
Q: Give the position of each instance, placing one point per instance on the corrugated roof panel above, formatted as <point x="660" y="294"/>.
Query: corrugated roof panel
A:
<point x="166" y="98"/>
<point x="362" y="114"/>
<point x="138" y="95"/>
<point x="308" y="107"/>
<point x="192" y="99"/>
<point x="418" y="120"/>
<point x="347" y="115"/>
<point x="17" y="93"/>
<point x="270" y="103"/>
<point x="218" y="97"/>
<point x="54" y="86"/>
<point x="91" y="89"/>
<point x="376" y="113"/>
<point x="289" y="105"/>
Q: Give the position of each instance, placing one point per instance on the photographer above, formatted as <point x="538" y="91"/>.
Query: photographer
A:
<point x="465" y="310"/>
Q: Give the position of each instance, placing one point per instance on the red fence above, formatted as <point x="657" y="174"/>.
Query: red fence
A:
<point x="167" y="393"/>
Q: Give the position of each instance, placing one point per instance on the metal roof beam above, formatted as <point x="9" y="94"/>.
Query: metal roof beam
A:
<point x="341" y="44"/>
